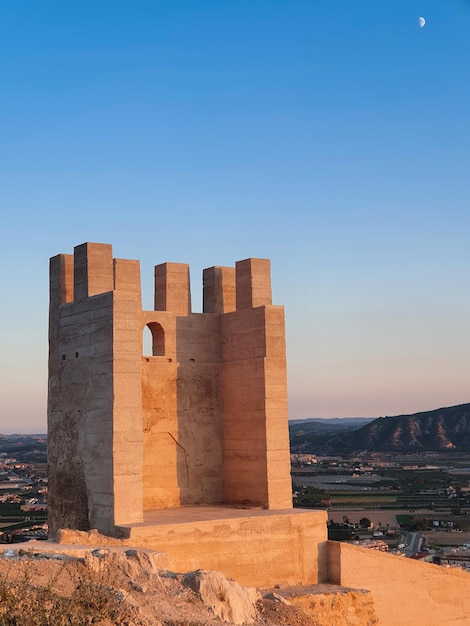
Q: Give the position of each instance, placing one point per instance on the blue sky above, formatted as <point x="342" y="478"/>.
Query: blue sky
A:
<point x="331" y="137"/>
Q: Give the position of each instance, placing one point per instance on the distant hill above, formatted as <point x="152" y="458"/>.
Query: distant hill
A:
<point x="334" y="421"/>
<point x="24" y="448"/>
<point x="442" y="429"/>
<point x="326" y="426"/>
<point x="439" y="430"/>
<point x="314" y="432"/>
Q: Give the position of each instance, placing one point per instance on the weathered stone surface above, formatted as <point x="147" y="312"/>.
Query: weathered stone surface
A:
<point x="91" y="537"/>
<point x="133" y="563"/>
<point x="331" y="605"/>
<point x="229" y="600"/>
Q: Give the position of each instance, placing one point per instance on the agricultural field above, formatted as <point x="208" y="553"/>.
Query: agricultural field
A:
<point x="421" y="492"/>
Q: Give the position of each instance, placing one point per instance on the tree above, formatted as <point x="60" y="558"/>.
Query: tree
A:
<point x="365" y="522"/>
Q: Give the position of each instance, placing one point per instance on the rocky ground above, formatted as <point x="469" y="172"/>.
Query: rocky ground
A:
<point x="128" y="588"/>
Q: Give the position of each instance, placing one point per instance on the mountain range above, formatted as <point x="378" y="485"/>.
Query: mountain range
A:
<point x="443" y="429"/>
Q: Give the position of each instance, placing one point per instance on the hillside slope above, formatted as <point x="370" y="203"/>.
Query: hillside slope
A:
<point x="442" y="429"/>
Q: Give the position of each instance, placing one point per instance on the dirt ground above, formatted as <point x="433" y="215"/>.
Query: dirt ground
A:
<point x="447" y="538"/>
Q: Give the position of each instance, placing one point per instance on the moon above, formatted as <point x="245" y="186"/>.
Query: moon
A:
<point x="421" y="21"/>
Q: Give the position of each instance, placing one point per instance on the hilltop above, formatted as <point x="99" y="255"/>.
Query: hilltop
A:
<point x="116" y="587"/>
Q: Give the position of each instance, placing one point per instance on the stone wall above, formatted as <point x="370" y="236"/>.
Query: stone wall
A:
<point x="405" y="592"/>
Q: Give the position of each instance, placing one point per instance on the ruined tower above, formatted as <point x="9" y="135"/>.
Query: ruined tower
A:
<point x="203" y="421"/>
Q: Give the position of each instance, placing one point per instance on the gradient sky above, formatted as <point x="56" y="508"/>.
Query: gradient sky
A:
<point x="332" y="137"/>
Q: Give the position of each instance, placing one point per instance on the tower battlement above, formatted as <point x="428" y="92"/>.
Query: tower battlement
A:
<point x="91" y="270"/>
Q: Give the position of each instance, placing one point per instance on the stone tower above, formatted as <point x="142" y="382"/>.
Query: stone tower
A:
<point x="203" y="421"/>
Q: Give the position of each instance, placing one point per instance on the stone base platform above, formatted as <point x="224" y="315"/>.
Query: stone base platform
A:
<point x="256" y="547"/>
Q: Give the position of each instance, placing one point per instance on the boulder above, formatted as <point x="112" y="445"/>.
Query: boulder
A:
<point x="275" y="597"/>
<point x="228" y="599"/>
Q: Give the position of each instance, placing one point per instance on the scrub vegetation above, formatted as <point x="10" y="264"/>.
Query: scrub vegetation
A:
<point x="72" y="596"/>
